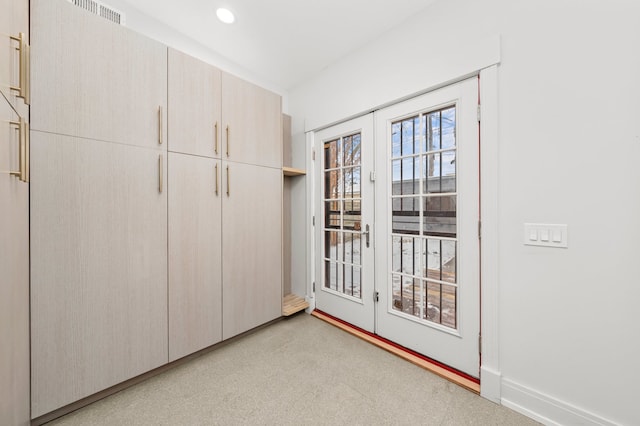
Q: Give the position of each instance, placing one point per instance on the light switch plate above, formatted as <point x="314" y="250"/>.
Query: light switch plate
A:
<point x="545" y="235"/>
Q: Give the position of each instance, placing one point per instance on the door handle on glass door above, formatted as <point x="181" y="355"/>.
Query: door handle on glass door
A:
<point x="366" y="233"/>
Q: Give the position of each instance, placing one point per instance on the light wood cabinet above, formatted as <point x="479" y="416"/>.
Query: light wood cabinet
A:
<point x="98" y="266"/>
<point x="14" y="20"/>
<point x="252" y="130"/>
<point x="195" y="245"/>
<point x="103" y="81"/>
<point x="194" y="106"/>
<point x="14" y="277"/>
<point x="252" y="246"/>
<point x="135" y="259"/>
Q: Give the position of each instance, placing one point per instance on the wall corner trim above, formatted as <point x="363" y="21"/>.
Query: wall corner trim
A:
<point x="490" y="384"/>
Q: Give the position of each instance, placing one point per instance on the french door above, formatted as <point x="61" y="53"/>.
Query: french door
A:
<point x="427" y="246"/>
<point x="344" y="221"/>
<point x="420" y="288"/>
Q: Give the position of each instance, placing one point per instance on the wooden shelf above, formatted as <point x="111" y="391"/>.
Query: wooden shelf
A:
<point x="290" y="171"/>
<point x="292" y="304"/>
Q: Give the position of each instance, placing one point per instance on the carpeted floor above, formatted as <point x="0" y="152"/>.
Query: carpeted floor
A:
<point x="298" y="371"/>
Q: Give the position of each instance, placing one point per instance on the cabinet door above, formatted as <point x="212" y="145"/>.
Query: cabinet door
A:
<point x="14" y="19"/>
<point x="195" y="272"/>
<point x="98" y="266"/>
<point x="252" y="247"/>
<point x="14" y="278"/>
<point x="194" y="106"/>
<point x="252" y="119"/>
<point x="95" y="79"/>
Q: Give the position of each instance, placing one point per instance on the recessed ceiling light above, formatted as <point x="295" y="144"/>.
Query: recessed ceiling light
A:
<point x="225" y="15"/>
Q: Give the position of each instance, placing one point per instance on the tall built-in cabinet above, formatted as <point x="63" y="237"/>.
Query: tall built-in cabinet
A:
<point x="14" y="213"/>
<point x="225" y="215"/>
<point x="98" y="205"/>
<point x="195" y="205"/>
<point x="156" y="205"/>
<point x="252" y="206"/>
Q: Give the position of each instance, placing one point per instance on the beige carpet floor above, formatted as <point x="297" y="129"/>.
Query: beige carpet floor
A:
<point x="298" y="371"/>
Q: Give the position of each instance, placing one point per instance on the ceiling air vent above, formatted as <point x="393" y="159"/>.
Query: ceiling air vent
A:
<point x="98" y="8"/>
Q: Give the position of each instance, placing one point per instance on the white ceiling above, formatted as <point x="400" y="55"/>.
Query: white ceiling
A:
<point x="283" y="41"/>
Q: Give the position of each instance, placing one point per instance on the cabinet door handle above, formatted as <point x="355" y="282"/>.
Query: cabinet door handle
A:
<point x="23" y="150"/>
<point x="216" y="137"/>
<point x="216" y="169"/>
<point x="27" y="151"/>
<point x="160" y="171"/>
<point x="160" y="125"/>
<point x="27" y="74"/>
<point x="228" y="140"/>
<point x="23" y="88"/>
<point x="228" y="184"/>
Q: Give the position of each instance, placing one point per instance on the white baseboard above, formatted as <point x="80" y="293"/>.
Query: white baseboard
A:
<point x="546" y="409"/>
<point x="490" y="384"/>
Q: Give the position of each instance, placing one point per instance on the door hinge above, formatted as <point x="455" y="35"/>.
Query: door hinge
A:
<point x="376" y="296"/>
<point x="372" y="176"/>
<point x="313" y="154"/>
<point x="313" y="221"/>
<point x="480" y="344"/>
<point x="479" y="230"/>
<point x="479" y="112"/>
<point x="314" y="286"/>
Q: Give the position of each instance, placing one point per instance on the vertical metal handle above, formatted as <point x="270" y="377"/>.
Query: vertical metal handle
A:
<point x="23" y="150"/>
<point x="216" y="137"/>
<point x="160" y="171"/>
<point x="227" y="140"/>
<point x="228" y="184"/>
<point x="26" y="74"/>
<point x="366" y="234"/>
<point x="27" y="151"/>
<point x="160" y="125"/>
<point x="23" y="87"/>
<point x="216" y="178"/>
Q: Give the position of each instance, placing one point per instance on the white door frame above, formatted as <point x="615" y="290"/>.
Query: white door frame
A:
<point x="490" y="374"/>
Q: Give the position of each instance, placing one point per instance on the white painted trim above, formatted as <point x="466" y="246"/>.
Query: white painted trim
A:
<point x="545" y="408"/>
<point x="310" y="211"/>
<point x="489" y="250"/>
<point x="490" y="384"/>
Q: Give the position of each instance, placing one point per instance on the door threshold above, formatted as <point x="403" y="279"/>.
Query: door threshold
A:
<point x="459" y="378"/>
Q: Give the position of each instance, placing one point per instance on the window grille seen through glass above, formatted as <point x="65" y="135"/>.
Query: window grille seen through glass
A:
<point x="423" y="213"/>
<point x="343" y="215"/>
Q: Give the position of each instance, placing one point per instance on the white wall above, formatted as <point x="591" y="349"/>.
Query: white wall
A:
<point x="569" y="149"/>
<point x="152" y="28"/>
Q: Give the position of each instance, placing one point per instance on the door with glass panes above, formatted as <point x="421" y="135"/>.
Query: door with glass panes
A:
<point x="427" y="207"/>
<point x="344" y="222"/>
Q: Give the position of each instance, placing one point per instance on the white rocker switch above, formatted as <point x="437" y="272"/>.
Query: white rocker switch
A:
<point x="545" y="235"/>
